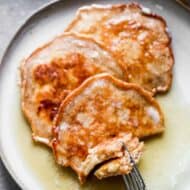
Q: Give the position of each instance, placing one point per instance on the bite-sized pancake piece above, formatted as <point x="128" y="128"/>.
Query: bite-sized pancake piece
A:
<point x="137" y="38"/>
<point x="54" y="70"/>
<point x="111" y="148"/>
<point x="122" y="165"/>
<point x="100" y="109"/>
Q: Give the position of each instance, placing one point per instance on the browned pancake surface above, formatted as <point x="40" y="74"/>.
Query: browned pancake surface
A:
<point x="137" y="38"/>
<point x="54" y="70"/>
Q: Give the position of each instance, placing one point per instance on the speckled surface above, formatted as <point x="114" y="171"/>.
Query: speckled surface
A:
<point x="12" y="14"/>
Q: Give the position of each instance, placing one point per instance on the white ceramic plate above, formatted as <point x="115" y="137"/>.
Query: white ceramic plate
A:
<point x="166" y="162"/>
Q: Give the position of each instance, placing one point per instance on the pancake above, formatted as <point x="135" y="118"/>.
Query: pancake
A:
<point x="121" y="165"/>
<point x="100" y="111"/>
<point x="137" y="38"/>
<point x="51" y="72"/>
<point x="111" y="148"/>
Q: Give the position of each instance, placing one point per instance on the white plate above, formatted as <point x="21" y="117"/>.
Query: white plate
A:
<point x="166" y="162"/>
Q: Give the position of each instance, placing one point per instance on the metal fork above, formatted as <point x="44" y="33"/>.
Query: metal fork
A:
<point x="134" y="180"/>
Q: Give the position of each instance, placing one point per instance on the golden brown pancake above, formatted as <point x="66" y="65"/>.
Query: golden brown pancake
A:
<point x="52" y="71"/>
<point x="137" y="39"/>
<point x="100" y="111"/>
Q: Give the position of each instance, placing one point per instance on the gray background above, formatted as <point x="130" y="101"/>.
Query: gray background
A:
<point x="12" y="14"/>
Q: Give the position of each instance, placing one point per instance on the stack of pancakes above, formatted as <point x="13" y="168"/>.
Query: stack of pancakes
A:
<point x="90" y="91"/>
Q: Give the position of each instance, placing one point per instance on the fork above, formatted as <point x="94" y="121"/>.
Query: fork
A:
<point x="134" y="180"/>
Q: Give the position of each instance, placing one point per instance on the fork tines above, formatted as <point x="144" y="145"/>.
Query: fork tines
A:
<point x="134" y="180"/>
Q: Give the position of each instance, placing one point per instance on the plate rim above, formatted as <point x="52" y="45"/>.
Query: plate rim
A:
<point x="36" y="12"/>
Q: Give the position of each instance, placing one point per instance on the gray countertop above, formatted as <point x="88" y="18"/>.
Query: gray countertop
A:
<point x="12" y="14"/>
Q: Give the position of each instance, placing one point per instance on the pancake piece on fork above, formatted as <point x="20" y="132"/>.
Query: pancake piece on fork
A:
<point x="137" y="38"/>
<point x="97" y="118"/>
<point x="51" y="72"/>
